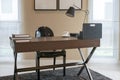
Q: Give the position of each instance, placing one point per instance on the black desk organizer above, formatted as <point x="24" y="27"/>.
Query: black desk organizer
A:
<point x="90" y="31"/>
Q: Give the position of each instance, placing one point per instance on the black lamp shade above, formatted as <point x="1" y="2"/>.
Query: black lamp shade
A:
<point x="70" y="12"/>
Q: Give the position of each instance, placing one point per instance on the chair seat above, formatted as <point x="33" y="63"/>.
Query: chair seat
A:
<point x="50" y="54"/>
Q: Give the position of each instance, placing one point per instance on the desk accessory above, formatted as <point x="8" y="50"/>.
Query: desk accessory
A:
<point x="91" y="31"/>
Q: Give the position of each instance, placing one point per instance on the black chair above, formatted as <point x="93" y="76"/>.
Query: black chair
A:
<point x="47" y="32"/>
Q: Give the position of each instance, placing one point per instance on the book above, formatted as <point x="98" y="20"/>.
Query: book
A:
<point x="20" y="35"/>
<point x="22" y="40"/>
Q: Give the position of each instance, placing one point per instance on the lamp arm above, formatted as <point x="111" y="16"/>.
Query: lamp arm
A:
<point x="76" y="6"/>
<point x="86" y="12"/>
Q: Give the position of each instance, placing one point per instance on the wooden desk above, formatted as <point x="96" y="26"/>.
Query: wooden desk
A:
<point x="52" y="43"/>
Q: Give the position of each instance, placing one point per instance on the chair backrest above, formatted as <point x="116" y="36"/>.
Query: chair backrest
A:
<point x="44" y="32"/>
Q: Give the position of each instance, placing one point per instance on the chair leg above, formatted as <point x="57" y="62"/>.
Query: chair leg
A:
<point x="37" y="62"/>
<point x="37" y="65"/>
<point x="54" y="61"/>
<point x="38" y="73"/>
<point x="64" y="68"/>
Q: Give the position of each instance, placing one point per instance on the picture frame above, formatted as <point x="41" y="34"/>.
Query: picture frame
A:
<point x="65" y="4"/>
<point x="45" y="5"/>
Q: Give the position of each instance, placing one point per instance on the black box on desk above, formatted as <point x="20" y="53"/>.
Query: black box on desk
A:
<point x="91" y="31"/>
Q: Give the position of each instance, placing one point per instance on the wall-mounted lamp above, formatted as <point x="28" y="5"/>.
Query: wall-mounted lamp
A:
<point x="71" y="12"/>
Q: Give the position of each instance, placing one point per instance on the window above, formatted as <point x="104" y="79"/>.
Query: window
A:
<point x="9" y="24"/>
<point x="107" y="13"/>
<point x="8" y="10"/>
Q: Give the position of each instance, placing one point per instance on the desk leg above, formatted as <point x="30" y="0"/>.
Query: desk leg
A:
<point x="85" y="63"/>
<point x="15" y="66"/>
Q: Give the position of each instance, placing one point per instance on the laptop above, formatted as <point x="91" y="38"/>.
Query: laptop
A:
<point x="91" y="31"/>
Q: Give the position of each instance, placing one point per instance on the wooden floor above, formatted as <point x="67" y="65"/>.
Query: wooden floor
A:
<point x="109" y="68"/>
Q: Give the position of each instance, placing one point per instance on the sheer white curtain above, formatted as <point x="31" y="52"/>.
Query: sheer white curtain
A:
<point x="10" y="23"/>
<point x="107" y="13"/>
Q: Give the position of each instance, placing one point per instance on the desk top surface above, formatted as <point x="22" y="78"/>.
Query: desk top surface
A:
<point x="51" y="43"/>
<point x="41" y="39"/>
